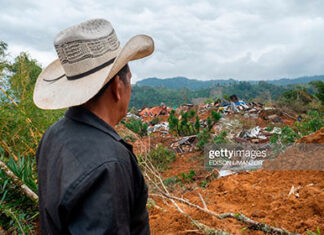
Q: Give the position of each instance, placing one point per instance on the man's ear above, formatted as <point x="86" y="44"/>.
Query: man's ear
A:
<point x="115" y="88"/>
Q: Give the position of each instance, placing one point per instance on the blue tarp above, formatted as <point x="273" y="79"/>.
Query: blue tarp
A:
<point x="237" y="103"/>
<point x="225" y="104"/>
<point x="240" y="102"/>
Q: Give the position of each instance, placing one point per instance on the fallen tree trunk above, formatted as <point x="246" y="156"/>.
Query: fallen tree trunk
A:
<point x="252" y="224"/>
<point x="163" y="192"/>
<point x="23" y="187"/>
<point x="202" y="227"/>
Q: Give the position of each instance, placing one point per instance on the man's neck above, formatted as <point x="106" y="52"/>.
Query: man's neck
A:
<point x="105" y="112"/>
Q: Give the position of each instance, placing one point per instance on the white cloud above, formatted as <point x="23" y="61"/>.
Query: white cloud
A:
<point x="206" y="39"/>
<point x="43" y="57"/>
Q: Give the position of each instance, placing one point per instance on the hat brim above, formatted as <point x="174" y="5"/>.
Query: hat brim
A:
<point x="63" y="93"/>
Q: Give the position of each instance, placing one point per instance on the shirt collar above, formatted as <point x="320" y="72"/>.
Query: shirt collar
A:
<point x="81" y="114"/>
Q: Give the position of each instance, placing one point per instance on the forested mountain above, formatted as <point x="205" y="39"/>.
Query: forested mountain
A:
<point x="300" y="80"/>
<point x="194" y="84"/>
<point x="152" y="96"/>
<point x="182" y="82"/>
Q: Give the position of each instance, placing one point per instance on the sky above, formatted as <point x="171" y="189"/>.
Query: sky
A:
<point x="203" y="39"/>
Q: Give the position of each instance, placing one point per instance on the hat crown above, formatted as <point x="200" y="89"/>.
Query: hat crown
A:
<point x="83" y="47"/>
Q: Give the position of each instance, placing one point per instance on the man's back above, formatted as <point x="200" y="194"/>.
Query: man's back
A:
<point x="90" y="179"/>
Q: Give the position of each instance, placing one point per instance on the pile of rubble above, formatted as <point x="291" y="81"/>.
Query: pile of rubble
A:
<point x="247" y="122"/>
<point x="160" y="127"/>
<point x="155" y="111"/>
<point x="184" y="145"/>
<point x="256" y="135"/>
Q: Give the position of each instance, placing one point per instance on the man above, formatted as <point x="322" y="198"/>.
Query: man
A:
<point x="89" y="179"/>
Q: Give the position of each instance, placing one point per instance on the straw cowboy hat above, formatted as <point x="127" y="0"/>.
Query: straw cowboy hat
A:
<point x="89" y="55"/>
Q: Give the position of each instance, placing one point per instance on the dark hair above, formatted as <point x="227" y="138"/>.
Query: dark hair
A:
<point x="122" y="74"/>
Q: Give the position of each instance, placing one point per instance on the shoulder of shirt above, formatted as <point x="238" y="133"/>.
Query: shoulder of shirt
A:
<point x="90" y="146"/>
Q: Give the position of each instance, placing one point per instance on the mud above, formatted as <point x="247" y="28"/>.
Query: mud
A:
<point x="261" y="195"/>
<point x="290" y="199"/>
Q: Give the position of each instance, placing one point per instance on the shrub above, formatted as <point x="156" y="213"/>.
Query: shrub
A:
<point x="137" y="126"/>
<point x="17" y="210"/>
<point x="197" y="123"/>
<point x="203" y="138"/>
<point x="213" y="119"/>
<point x="171" y="180"/>
<point x="161" y="157"/>
<point x="269" y="128"/>
<point x="22" y="126"/>
<point x="187" y="178"/>
<point x="313" y="122"/>
<point x="319" y="85"/>
<point x="208" y="101"/>
<point x="130" y="138"/>
<point x="173" y="121"/>
<point x="204" y="135"/>
<point x="203" y="184"/>
<point x="298" y="100"/>
<point x="220" y="139"/>
<point x="186" y="126"/>
<point x="287" y="136"/>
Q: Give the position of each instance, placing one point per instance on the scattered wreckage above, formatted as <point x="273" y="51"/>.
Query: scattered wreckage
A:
<point x="232" y="110"/>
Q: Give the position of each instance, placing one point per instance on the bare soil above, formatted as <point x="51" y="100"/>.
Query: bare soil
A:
<point x="262" y="195"/>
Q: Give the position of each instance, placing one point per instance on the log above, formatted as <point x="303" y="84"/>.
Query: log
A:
<point x="23" y="187"/>
<point x="252" y="224"/>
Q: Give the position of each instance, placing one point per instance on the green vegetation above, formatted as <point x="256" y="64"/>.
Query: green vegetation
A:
<point x="182" y="178"/>
<point x="269" y="128"/>
<point x="193" y="84"/>
<point x="191" y="126"/>
<point x="213" y="119"/>
<point x="129" y="138"/>
<point x="18" y="211"/>
<point x="260" y="91"/>
<point x="319" y="85"/>
<point x="161" y="157"/>
<point x="208" y="101"/>
<point x="187" y="125"/>
<point x="3" y="62"/>
<point x="150" y="203"/>
<point x="299" y="100"/>
<point x="187" y="177"/>
<point x="22" y="126"/>
<point x="312" y="122"/>
<point x="220" y="139"/>
<point x="287" y="136"/>
<point x="203" y="183"/>
<point x="203" y="138"/>
<point x="137" y="126"/>
<point x="171" y="181"/>
<point x="22" y="122"/>
<point x="318" y="232"/>
<point x="150" y="96"/>
<point x="153" y="96"/>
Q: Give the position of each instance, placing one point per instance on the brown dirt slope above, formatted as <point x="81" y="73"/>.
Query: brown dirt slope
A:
<point x="315" y="138"/>
<point x="264" y="195"/>
<point x="261" y="195"/>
